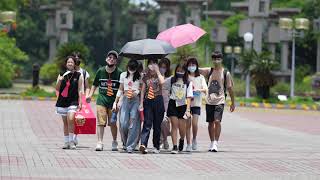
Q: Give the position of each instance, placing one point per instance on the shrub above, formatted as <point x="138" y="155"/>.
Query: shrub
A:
<point x="281" y="88"/>
<point x="37" y="92"/>
<point x="49" y="73"/>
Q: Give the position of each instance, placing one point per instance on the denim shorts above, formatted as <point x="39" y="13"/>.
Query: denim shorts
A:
<point x="63" y="111"/>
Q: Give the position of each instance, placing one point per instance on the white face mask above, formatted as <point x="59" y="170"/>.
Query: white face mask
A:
<point x="150" y="66"/>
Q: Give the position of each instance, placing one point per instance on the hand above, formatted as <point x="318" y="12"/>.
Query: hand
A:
<point x="187" y="114"/>
<point x="232" y="107"/>
<point x="156" y="68"/>
<point x="80" y="107"/>
<point x="115" y="107"/>
<point x="140" y="106"/>
<point x="88" y="99"/>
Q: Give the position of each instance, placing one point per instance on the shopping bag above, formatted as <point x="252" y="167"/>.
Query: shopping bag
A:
<point x="85" y="120"/>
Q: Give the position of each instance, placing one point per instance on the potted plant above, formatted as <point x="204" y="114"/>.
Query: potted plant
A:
<point x="260" y="67"/>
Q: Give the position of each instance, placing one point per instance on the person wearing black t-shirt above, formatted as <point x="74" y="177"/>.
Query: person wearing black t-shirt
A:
<point x="69" y="85"/>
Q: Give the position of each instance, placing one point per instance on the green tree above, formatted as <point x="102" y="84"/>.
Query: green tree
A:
<point x="10" y="57"/>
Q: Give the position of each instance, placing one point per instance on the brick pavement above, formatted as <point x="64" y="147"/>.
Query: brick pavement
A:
<point x="259" y="144"/>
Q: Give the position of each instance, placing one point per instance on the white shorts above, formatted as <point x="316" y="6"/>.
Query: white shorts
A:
<point x="63" y="111"/>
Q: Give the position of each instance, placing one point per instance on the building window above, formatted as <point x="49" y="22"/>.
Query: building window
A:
<point x="169" y="22"/>
<point x="63" y="17"/>
<point x="262" y="6"/>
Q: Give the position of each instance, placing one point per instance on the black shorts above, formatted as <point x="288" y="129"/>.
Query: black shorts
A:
<point x="195" y="110"/>
<point x="176" y="111"/>
<point x="214" y="112"/>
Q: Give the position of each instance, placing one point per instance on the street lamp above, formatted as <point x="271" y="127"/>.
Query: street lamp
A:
<point x="7" y="20"/>
<point x="206" y="4"/>
<point x="248" y="38"/>
<point x="233" y="52"/>
<point x="295" y="29"/>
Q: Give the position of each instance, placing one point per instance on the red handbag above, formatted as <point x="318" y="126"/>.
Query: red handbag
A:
<point x="85" y="120"/>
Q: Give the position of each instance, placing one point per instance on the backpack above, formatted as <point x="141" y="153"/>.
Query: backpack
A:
<point x="225" y="71"/>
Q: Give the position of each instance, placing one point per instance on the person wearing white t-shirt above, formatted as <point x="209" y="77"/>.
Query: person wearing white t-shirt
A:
<point x="199" y="87"/>
<point x="179" y="106"/>
<point x="129" y="90"/>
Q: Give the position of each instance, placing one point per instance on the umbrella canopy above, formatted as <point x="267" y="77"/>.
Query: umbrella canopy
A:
<point x="181" y="35"/>
<point x="146" y="48"/>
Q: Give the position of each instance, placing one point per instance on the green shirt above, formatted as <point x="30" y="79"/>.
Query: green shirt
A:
<point x="102" y="79"/>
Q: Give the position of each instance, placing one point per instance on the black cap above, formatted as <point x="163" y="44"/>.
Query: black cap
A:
<point x="216" y="54"/>
<point x="114" y="53"/>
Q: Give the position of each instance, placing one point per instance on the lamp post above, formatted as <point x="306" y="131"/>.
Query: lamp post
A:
<point x="233" y="52"/>
<point x="294" y="27"/>
<point x="206" y="4"/>
<point x="248" y="38"/>
<point x="7" y="21"/>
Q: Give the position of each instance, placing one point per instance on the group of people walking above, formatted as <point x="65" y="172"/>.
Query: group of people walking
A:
<point x="145" y="99"/>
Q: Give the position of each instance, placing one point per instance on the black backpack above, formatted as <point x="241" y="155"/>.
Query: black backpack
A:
<point x="224" y="80"/>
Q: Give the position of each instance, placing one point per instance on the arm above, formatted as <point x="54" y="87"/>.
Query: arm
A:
<point x="143" y="89"/>
<point x="232" y="107"/>
<point x="119" y="94"/>
<point x="91" y="92"/>
<point x="80" y="88"/>
<point x="204" y="85"/>
<point x="204" y="71"/>
<point x="86" y="85"/>
<point x="59" y="79"/>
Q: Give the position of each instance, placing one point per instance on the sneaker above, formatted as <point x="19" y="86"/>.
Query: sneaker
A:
<point x="215" y="147"/>
<point x="155" y="151"/>
<point x="181" y="144"/>
<point x="75" y="140"/>
<point x="165" y="145"/>
<point x="174" y="150"/>
<point x="143" y="149"/>
<point x="129" y="150"/>
<point x="211" y="147"/>
<point x="66" y="145"/>
<point x="73" y="145"/>
<point x="188" y="148"/>
<point x="114" y="146"/>
<point x="99" y="147"/>
<point x="194" y="144"/>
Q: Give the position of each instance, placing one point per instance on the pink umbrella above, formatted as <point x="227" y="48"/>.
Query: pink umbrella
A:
<point x="181" y="35"/>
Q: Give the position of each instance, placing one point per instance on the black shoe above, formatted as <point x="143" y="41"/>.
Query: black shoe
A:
<point x="174" y="149"/>
<point x="143" y="149"/>
<point x="181" y="144"/>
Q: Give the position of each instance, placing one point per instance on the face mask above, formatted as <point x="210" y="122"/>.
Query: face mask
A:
<point x="131" y="72"/>
<point x="217" y="62"/>
<point x="192" y="69"/>
<point x="180" y="75"/>
<point x="163" y="70"/>
<point x="150" y="66"/>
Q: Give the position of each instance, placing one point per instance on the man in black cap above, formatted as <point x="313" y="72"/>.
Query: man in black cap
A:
<point x="107" y="79"/>
<point x="219" y="81"/>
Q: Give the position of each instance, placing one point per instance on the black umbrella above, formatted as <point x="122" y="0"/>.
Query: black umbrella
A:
<point x="146" y="49"/>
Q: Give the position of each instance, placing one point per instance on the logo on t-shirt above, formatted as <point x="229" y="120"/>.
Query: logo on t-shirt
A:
<point x="214" y="87"/>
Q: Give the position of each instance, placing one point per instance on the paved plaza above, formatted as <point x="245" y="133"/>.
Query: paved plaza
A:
<point x="255" y="144"/>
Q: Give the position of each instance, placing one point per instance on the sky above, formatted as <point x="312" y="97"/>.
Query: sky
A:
<point x="139" y="1"/>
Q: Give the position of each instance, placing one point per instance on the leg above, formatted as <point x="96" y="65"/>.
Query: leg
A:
<point x="65" y="126"/>
<point x="195" y="126"/>
<point x="182" y="128"/>
<point x="174" y="129"/>
<point x="147" y="125"/>
<point x="211" y="130"/>
<point x="188" y="130"/>
<point x="124" y="121"/>
<point x="158" y="109"/>
<point x="134" y="128"/>
<point x="113" y="126"/>
<point x="217" y="130"/>
<point x="70" y="117"/>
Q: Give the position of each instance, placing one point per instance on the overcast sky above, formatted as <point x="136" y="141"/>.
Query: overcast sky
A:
<point x="138" y="1"/>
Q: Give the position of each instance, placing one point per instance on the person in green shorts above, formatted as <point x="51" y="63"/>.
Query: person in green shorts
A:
<point x="107" y="79"/>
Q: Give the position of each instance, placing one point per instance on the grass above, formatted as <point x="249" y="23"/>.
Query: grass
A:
<point x="37" y="92"/>
<point x="296" y="100"/>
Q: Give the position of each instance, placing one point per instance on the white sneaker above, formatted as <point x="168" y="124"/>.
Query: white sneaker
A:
<point x="114" y="146"/>
<point x="155" y="151"/>
<point x="66" y="145"/>
<point x="188" y="148"/>
<point x="73" y="145"/>
<point x="215" y="146"/>
<point x="211" y="146"/>
<point x="194" y="144"/>
<point x="75" y="140"/>
<point x="99" y="147"/>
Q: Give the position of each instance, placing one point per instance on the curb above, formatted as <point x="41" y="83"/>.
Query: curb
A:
<point x="304" y="107"/>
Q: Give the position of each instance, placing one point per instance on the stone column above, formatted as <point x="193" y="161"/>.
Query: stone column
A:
<point x="272" y="49"/>
<point x="257" y="32"/>
<point x="64" y="20"/>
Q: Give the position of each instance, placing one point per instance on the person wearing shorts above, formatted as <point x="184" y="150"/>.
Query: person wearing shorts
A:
<point x="69" y="88"/>
<point x="219" y="81"/>
<point x="199" y="87"/>
<point x="107" y="79"/>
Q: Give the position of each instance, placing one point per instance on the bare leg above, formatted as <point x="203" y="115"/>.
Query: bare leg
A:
<point x="217" y="130"/>
<point x="174" y="129"/>
<point x="65" y="126"/>
<point x="100" y="132"/>
<point x="182" y="128"/>
<point x="71" y="122"/>
<point x="188" y="130"/>
<point x="211" y="130"/>
<point x="195" y="126"/>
